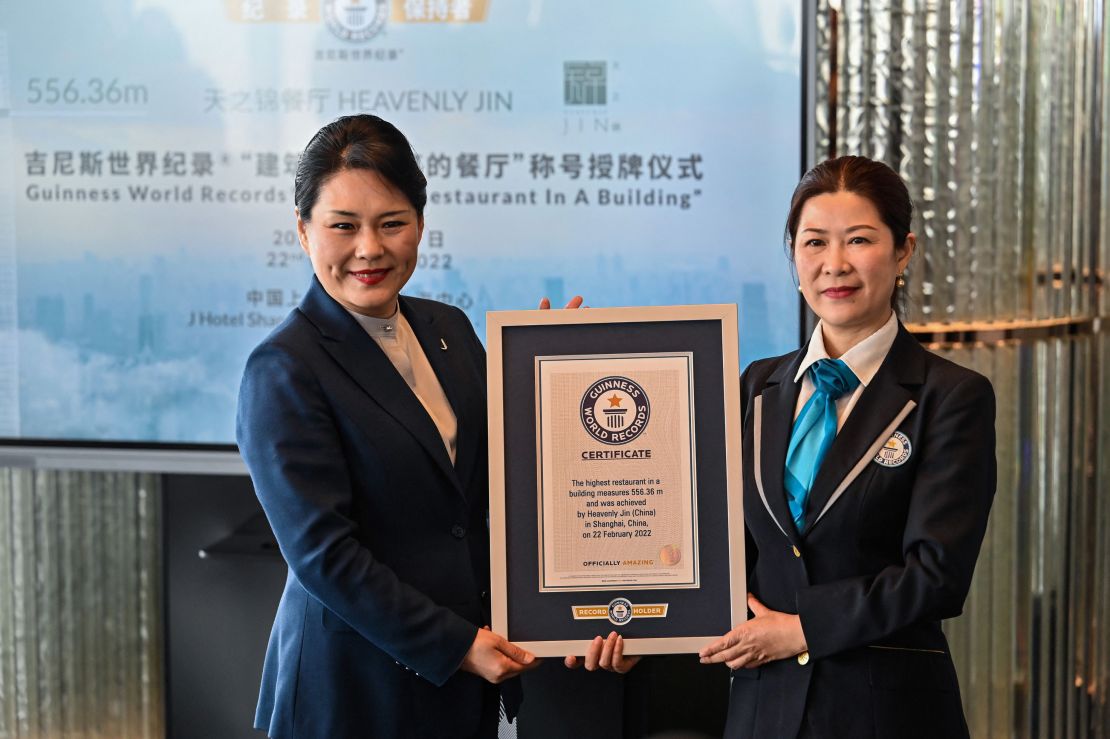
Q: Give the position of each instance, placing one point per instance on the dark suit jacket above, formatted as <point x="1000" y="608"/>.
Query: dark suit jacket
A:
<point x="886" y="553"/>
<point x="386" y="540"/>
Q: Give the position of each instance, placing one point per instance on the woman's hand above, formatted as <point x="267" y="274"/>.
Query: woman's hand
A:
<point x="771" y="635"/>
<point x="495" y="658"/>
<point x="608" y="654"/>
<point x="575" y="302"/>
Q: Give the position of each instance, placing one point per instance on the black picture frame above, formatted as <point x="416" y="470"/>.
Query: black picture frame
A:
<point x="544" y="622"/>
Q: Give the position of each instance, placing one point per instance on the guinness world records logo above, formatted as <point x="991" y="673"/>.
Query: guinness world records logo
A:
<point x="895" y="451"/>
<point x="615" y="410"/>
<point x="356" y="20"/>
<point x="620" y="611"/>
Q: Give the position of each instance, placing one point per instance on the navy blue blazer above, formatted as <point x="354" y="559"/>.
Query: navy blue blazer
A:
<point x="887" y="551"/>
<point x="386" y="541"/>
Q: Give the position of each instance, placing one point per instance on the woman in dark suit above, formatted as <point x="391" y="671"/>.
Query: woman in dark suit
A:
<point x="869" y="471"/>
<point x="362" y="420"/>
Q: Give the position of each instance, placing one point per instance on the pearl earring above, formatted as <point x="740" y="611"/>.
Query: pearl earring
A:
<point x="901" y="281"/>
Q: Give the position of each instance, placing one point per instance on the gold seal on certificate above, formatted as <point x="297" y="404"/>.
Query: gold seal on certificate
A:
<point x="617" y="479"/>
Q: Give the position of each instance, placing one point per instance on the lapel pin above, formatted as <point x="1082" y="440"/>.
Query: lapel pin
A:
<point x="443" y="345"/>
<point x="895" y="451"/>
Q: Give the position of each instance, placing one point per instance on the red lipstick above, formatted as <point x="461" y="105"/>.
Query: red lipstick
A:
<point x="839" y="292"/>
<point x="370" y="276"/>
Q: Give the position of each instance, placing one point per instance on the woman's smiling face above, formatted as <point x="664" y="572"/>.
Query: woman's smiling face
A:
<point x="847" y="265"/>
<point x="362" y="238"/>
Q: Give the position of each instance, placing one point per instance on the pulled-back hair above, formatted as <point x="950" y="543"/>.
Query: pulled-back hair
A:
<point x="358" y="142"/>
<point x="864" y="177"/>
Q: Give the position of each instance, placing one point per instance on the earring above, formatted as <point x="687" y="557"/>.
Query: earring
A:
<point x="799" y="288"/>
<point x="901" y="281"/>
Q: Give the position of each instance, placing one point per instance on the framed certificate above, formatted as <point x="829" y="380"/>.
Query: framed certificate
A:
<point x="615" y="477"/>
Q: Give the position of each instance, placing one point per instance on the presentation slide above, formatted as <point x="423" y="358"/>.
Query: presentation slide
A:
<point x="634" y="153"/>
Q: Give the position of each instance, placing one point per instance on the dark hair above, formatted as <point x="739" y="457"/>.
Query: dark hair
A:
<point x="358" y="142"/>
<point x="865" y="177"/>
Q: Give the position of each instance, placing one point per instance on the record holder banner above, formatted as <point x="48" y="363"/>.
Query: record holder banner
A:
<point x="615" y="477"/>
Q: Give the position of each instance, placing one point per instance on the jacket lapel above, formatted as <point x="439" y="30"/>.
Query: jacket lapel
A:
<point x="361" y="358"/>
<point x="780" y="395"/>
<point x="881" y="401"/>
<point x="458" y="380"/>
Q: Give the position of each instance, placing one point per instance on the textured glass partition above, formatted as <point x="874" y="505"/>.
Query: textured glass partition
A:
<point x="80" y="605"/>
<point x="996" y="113"/>
<point x="1033" y="645"/>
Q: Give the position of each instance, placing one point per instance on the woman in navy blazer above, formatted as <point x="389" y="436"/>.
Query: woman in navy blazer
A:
<point x="846" y="636"/>
<point x="371" y="468"/>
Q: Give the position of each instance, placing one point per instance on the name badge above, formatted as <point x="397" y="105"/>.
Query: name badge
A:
<point x="895" y="451"/>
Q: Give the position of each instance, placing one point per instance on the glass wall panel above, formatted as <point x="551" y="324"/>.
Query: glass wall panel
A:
<point x="996" y="112"/>
<point x="80" y="605"/>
